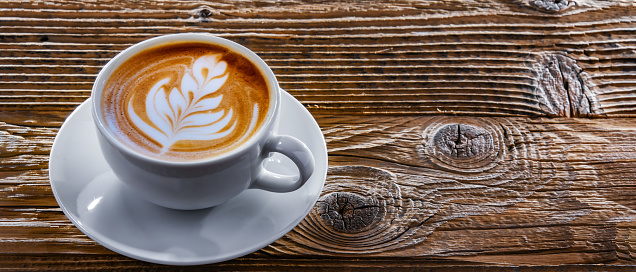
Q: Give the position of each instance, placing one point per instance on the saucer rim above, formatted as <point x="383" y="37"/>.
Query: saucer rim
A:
<point x="121" y="249"/>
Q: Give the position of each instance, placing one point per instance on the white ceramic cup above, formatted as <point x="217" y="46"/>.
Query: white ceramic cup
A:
<point x="205" y="183"/>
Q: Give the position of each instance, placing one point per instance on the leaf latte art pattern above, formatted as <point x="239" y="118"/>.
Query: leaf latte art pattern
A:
<point x="186" y="101"/>
<point x="189" y="112"/>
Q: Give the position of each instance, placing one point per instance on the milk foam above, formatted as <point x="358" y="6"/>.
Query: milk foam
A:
<point x="190" y="112"/>
<point x="185" y="101"/>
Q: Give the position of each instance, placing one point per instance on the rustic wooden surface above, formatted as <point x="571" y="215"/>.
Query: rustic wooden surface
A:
<point x="462" y="135"/>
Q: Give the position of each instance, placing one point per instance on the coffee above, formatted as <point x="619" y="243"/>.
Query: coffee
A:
<point x="185" y="101"/>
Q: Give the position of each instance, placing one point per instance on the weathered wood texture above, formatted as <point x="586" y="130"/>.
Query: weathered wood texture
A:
<point x="494" y="190"/>
<point x="451" y="126"/>
<point x="503" y="190"/>
<point x="504" y="57"/>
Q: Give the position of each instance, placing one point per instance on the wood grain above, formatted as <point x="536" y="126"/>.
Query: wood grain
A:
<point x="402" y="57"/>
<point x="530" y="190"/>
<point x="462" y="135"/>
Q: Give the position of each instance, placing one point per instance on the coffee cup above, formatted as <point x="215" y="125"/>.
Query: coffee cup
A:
<point x="187" y="120"/>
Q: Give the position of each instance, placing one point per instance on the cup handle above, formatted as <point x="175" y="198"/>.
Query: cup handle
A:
<point x="298" y="152"/>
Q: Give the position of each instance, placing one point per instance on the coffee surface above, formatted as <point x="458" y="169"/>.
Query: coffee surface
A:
<point x="185" y="101"/>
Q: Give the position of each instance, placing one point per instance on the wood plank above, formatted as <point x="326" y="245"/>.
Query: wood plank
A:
<point x="30" y="262"/>
<point x="402" y="57"/>
<point x="490" y="190"/>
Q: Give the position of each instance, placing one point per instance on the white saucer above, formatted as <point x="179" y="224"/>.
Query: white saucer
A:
<point x="101" y="206"/>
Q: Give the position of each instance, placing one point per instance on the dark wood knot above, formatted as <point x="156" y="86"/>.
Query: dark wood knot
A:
<point x="204" y="12"/>
<point x="551" y="5"/>
<point x="562" y="87"/>
<point x="462" y="141"/>
<point x="464" y="145"/>
<point x="362" y="210"/>
<point x="348" y="212"/>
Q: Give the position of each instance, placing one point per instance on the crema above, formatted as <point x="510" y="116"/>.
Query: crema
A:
<point x="185" y="101"/>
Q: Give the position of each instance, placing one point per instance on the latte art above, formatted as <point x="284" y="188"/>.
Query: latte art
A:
<point x="183" y="113"/>
<point x="185" y="101"/>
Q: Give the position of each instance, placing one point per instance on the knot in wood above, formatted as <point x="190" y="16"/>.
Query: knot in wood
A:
<point x="205" y="13"/>
<point x="462" y="141"/>
<point x="561" y="89"/>
<point x="551" y="5"/>
<point x="348" y="212"/>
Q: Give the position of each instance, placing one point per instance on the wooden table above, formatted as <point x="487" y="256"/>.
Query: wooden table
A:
<point x="462" y="135"/>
